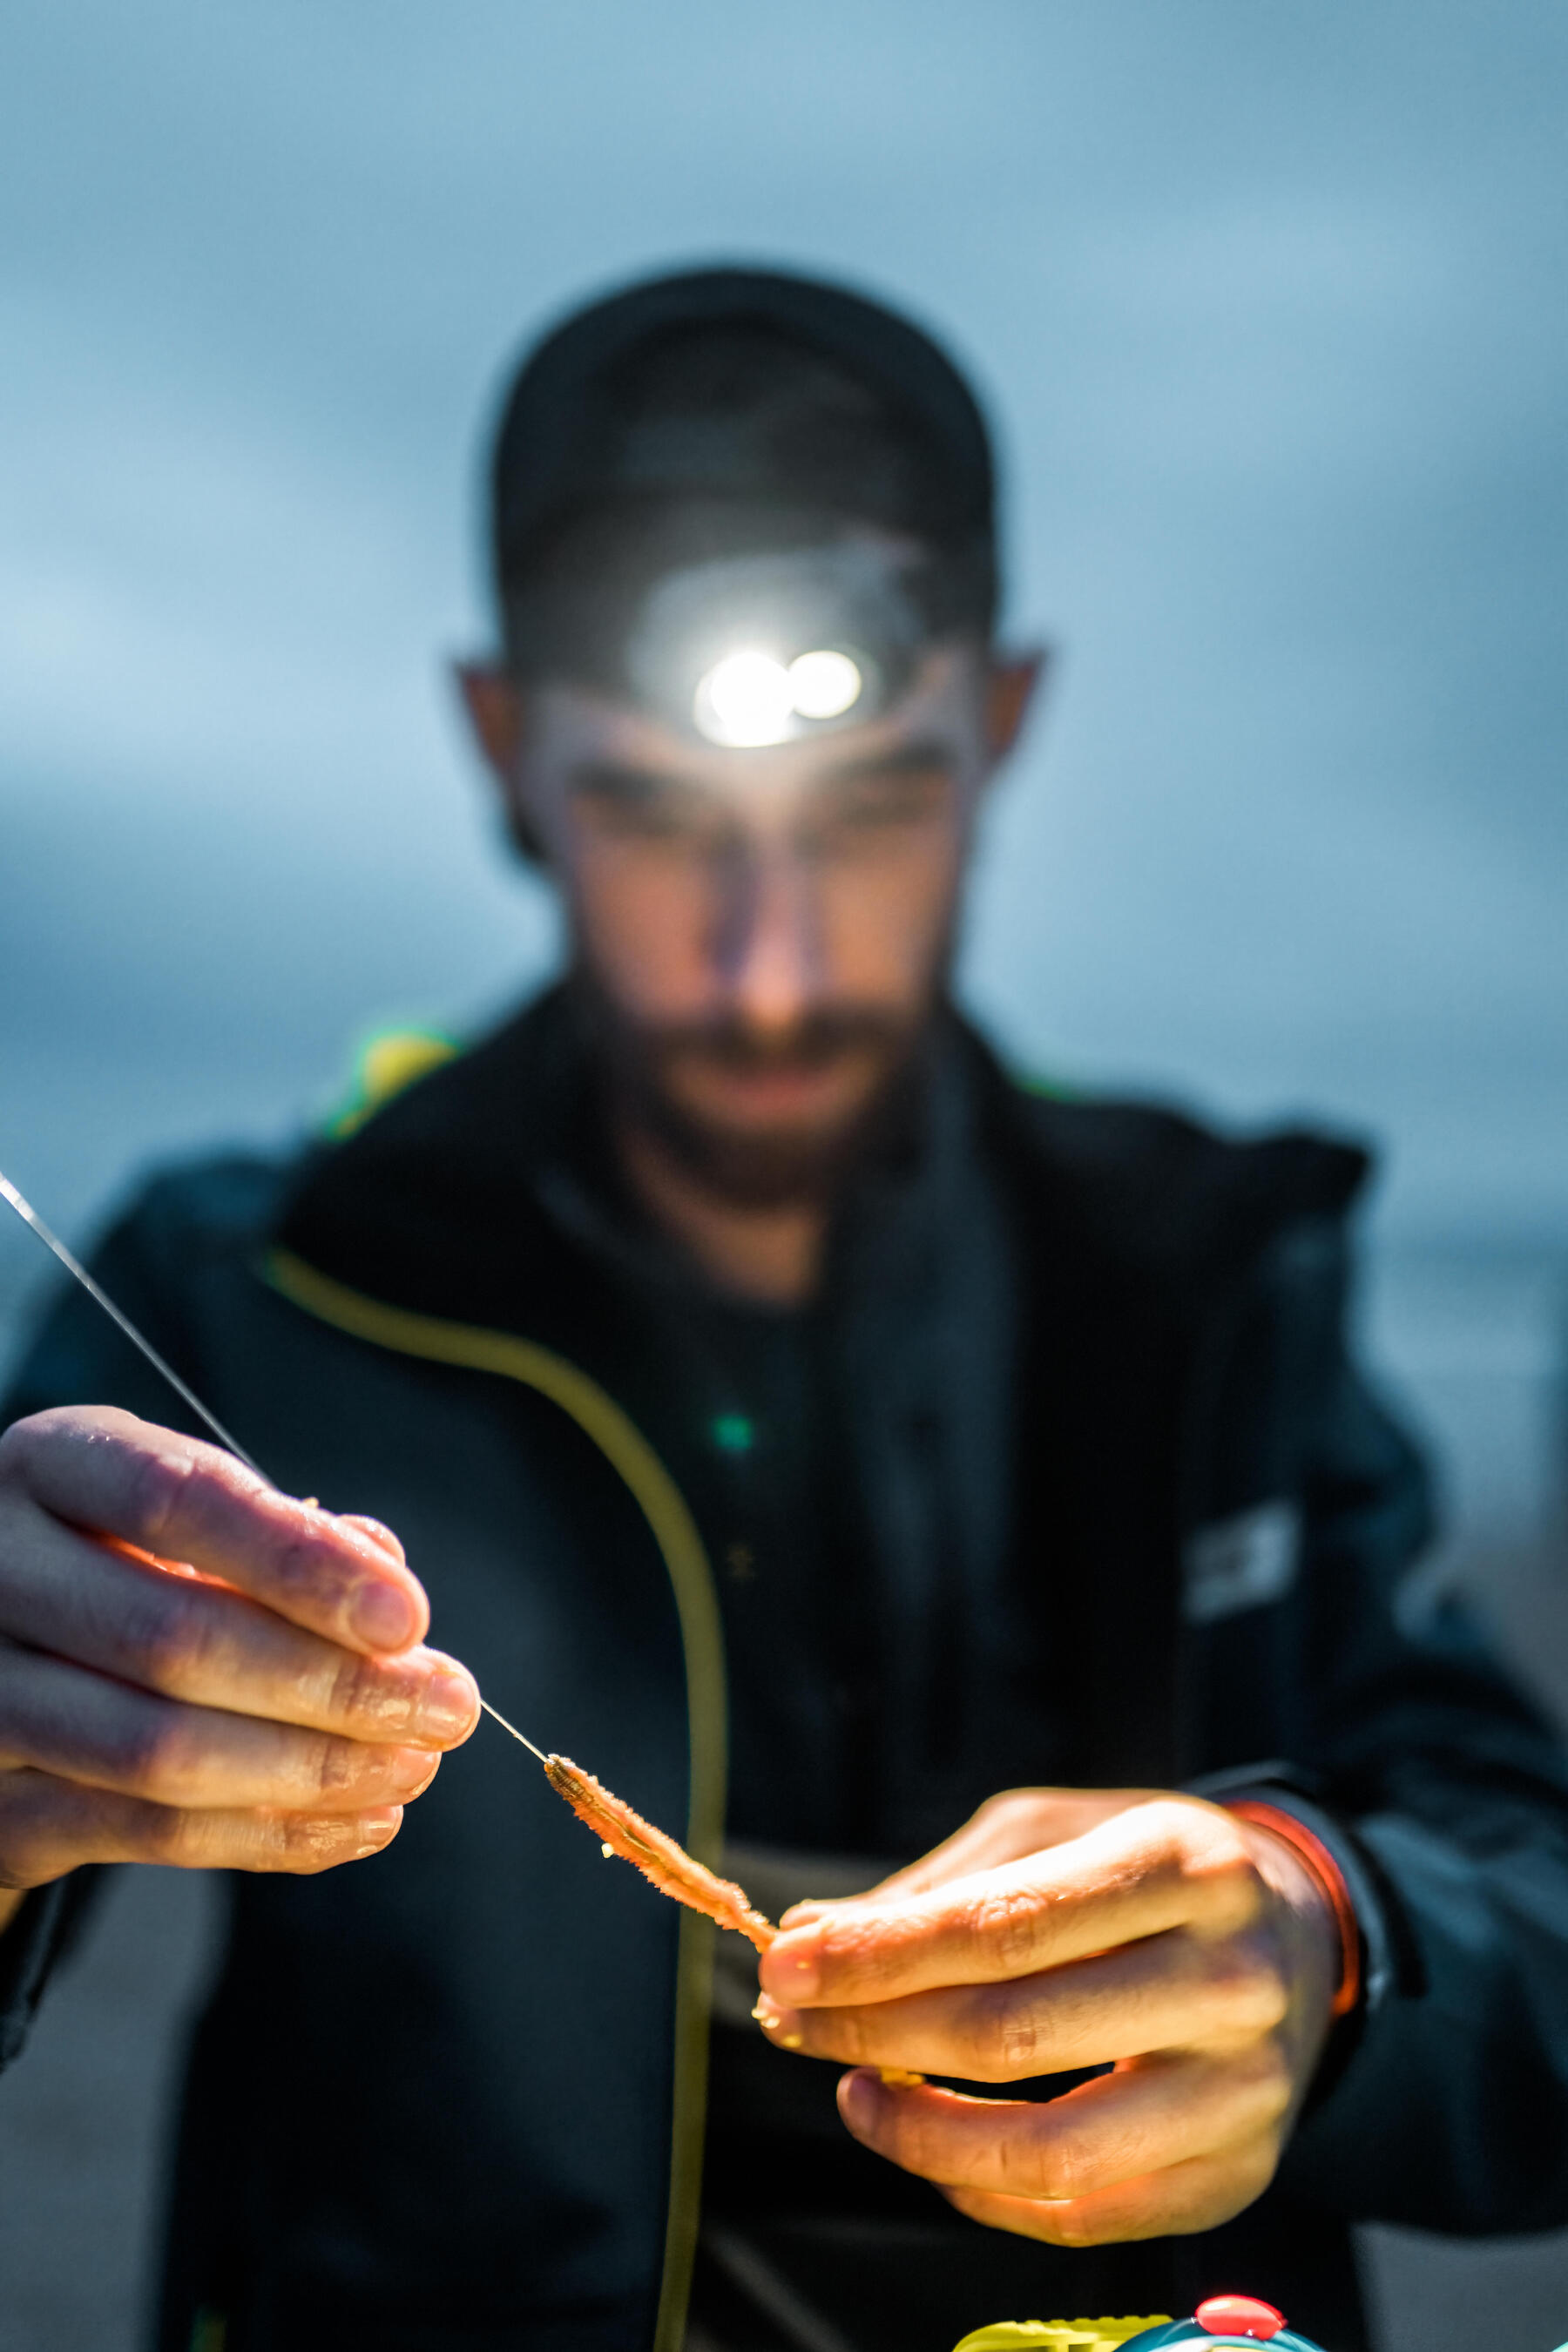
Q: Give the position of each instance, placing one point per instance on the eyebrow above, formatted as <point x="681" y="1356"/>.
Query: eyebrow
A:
<point x="916" y="759"/>
<point x="617" y="780"/>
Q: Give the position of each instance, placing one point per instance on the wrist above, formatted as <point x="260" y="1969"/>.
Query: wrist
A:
<point x="1318" y="1868"/>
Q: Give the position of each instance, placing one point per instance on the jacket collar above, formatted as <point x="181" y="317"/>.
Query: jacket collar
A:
<point x="460" y="1195"/>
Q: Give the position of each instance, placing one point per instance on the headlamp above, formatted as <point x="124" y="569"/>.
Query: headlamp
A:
<point x="762" y="649"/>
<point x="749" y="697"/>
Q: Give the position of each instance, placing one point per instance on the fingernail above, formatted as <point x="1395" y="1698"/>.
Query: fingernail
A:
<point x="377" y="1830"/>
<point x="449" y="1706"/>
<point x="767" y="2013"/>
<point x="413" y="1769"/>
<point x="381" y="1617"/>
<point x="858" y="2099"/>
<point x="799" y="1973"/>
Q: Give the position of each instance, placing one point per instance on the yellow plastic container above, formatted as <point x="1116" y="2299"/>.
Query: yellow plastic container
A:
<point x="1057" y="2334"/>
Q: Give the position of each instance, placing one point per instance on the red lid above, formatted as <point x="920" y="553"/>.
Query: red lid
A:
<point x="1239" y="2314"/>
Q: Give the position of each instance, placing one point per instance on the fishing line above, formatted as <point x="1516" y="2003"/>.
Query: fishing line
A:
<point x="74" y="1266"/>
<point x="619" y="1829"/>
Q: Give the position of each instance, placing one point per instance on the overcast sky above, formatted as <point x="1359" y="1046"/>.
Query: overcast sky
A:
<point x="1268" y="303"/>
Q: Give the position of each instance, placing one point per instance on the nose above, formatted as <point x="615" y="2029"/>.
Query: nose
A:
<point x="769" y="939"/>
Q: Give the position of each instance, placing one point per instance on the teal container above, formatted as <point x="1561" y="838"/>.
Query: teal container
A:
<point x="1225" y="2323"/>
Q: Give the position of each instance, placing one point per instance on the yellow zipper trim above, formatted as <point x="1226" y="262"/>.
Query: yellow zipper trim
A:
<point x="664" y="1506"/>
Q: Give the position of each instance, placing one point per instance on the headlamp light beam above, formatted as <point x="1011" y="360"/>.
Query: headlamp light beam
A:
<point x="748" y="699"/>
<point x="824" y="683"/>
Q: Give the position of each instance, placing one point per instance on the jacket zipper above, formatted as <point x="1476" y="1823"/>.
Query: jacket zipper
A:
<point x="472" y="1348"/>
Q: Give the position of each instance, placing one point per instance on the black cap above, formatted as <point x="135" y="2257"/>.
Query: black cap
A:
<point x="572" y="439"/>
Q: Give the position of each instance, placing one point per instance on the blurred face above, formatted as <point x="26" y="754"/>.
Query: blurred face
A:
<point x="761" y="935"/>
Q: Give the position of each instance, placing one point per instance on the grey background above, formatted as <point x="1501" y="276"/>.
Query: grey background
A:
<point x="1268" y="303"/>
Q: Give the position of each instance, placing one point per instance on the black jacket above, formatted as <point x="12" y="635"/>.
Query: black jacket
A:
<point x="454" y="2098"/>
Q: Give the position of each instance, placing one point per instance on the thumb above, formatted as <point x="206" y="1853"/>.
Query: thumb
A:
<point x="1006" y="1828"/>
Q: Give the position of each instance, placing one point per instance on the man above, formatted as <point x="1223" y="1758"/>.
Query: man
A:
<point x="827" y="1443"/>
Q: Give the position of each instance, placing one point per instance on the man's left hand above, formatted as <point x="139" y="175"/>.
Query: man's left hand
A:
<point x="1191" y="1952"/>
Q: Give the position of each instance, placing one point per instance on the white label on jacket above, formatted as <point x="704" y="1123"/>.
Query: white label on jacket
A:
<point x="1242" y="1562"/>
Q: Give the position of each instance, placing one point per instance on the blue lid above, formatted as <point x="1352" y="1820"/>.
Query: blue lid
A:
<point x="1192" y="2331"/>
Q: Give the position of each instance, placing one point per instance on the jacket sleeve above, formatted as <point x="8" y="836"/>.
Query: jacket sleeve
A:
<point x="1444" y="2104"/>
<point x="37" y="1939"/>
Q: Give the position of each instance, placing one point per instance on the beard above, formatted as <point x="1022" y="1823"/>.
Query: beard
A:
<point x="782" y="1165"/>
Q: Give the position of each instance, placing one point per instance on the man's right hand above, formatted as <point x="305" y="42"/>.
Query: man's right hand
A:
<point x="252" y="1694"/>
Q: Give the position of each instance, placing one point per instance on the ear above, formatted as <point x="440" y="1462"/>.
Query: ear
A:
<point x="498" y="714"/>
<point x="496" y="710"/>
<point x="1011" y="687"/>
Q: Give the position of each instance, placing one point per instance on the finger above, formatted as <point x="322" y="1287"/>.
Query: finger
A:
<point x="48" y="1826"/>
<point x="181" y="1500"/>
<point x="1006" y="1828"/>
<point x="1174" y="1991"/>
<point x="987" y="1840"/>
<point x="1139" y="1874"/>
<point x="379" y="1533"/>
<point x="1197" y="2195"/>
<point x="1143" y="2118"/>
<point x="62" y="1719"/>
<point x="101" y="1603"/>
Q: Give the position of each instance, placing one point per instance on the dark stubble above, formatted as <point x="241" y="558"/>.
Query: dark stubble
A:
<point x="757" y="1170"/>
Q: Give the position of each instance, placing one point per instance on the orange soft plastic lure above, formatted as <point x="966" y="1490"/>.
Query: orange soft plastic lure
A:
<point x="662" y="1863"/>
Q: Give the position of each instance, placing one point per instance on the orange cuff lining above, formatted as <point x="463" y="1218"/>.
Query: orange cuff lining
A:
<point x="1325" y="1870"/>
